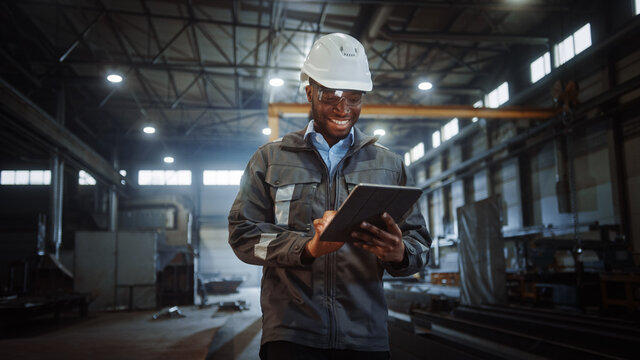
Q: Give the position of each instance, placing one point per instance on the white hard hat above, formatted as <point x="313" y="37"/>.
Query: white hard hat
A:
<point x="338" y="61"/>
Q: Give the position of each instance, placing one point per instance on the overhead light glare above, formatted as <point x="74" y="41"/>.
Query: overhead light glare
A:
<point x="266" y="131"/>
<point x="149" y="130"/>
<point x="275" y="82"/>
<point x="425" y="85"/>
<point x="114" y="78"/>
<point x="379" y="132"/>
<point x="168" y="159"/>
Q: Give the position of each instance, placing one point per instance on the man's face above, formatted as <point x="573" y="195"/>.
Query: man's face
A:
<point x="333" y="121"/>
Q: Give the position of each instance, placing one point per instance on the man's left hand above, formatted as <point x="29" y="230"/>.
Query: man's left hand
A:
<point x="385" y="245"/>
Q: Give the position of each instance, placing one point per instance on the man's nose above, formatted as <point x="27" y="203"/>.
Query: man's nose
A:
<point x="342" y="106"/>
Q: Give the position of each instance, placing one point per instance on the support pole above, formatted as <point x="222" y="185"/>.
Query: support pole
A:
<point x="56" y="197"/>
<point x="273" y="122"/>
<point x="57" y="186"/>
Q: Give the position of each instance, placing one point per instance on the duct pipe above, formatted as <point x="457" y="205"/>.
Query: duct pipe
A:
<point x="465" y="164"/>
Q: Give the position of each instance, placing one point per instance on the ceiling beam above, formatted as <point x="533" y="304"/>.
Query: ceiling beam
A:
<point x="489" y="5"/>
<point x="195" y="67"/>
<point x="432" y="36"/>
<point x="34" y="120"/>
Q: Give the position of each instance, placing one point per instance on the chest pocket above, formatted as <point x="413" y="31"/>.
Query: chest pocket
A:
<point x="371" y="176"/>
<point x="292" y="190"/>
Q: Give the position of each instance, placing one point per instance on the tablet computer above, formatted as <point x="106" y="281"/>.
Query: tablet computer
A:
<point x="367" y="202"/>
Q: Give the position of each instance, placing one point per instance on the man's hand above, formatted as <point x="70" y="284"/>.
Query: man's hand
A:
<point x="315" y="247"/>
<point x="385" y="245"/>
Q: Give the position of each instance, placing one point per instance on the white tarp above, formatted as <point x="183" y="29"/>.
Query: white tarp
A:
<point x="481" y="253"/>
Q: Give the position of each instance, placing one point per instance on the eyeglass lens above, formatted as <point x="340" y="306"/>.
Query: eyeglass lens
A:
<point x="333" y="97"/>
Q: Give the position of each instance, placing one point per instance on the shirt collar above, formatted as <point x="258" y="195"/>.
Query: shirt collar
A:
<point x="311" y="130"/>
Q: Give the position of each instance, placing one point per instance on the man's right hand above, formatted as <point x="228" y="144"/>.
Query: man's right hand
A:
<point x="316" y="248"/>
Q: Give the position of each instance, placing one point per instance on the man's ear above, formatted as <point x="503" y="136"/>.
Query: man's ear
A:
<point x="309" y="91"/>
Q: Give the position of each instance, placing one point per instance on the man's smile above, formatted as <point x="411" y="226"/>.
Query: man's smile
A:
<point x="340" y="122"/>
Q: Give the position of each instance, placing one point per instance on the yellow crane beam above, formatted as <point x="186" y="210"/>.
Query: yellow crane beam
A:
<point x="429" y="111"/>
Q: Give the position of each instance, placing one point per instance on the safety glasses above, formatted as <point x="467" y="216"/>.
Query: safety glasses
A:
<point x="334" y="97"/>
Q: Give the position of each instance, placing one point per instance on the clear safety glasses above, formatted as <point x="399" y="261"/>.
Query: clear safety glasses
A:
<point x="334" y="97"/>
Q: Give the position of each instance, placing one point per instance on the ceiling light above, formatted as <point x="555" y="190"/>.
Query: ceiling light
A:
<point x="266" y="131"/>
<point x="168" y="159"/>
<point x="276" y="82"/>
<point x="425" y="85"/>
<point x="114" y="78"/>
<point x="149" y="130"/>
<point x="379" y="132"/>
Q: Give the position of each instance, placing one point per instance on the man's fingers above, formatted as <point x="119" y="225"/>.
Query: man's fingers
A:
<point x="392" y="226"/>
<point x="366" y="247"/>
<point x="370" y="239"/>
<point x="375" y="250"/>
<point x="383" y="236"/>
<point x="329" y="215"/>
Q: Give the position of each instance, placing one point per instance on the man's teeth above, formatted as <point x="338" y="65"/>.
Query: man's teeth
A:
<point x="339" y="122"/>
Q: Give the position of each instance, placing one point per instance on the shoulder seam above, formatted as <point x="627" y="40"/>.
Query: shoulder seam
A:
<point x="270" y="143"/>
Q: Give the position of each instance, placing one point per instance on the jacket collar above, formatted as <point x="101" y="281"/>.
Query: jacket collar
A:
<point x="295" y="140"/>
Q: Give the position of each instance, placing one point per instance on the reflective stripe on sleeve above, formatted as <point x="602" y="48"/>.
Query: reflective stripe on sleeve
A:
<point x="260" y="249"/>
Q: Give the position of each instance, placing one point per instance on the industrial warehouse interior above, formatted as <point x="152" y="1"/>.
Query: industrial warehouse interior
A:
<point x="126" y="127"/>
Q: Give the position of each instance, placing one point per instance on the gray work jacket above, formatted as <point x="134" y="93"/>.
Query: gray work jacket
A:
<point x="337" y="300"/>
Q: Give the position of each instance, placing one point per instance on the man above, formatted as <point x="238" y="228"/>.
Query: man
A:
<point x="324" y="300"/>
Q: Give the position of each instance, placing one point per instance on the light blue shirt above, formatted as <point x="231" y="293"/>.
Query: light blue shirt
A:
<point x="330" y="155"/>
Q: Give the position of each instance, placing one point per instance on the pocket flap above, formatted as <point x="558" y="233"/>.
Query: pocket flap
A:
<point x="371" y="176"/>
<point x="283" y="175"/>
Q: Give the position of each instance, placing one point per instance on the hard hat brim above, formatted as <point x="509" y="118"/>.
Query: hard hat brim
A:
<point x="340" y="84"/>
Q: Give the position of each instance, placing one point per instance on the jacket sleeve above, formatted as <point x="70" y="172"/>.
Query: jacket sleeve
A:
<point x="416" y="237"/>
<point x="253" y="235"/>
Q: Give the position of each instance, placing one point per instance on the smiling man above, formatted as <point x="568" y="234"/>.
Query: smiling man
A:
<point x="324" y="300"/>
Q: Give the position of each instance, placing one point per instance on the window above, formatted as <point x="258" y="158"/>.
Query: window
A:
<point x="414" y="154"/>
<point x="450" y="129"/>
<point x="498" y="96"/>
<point x="636" y="7"/>
<point x="582" y="39"/>
<point x="572" y="45"/>
<point x="435" y="139"/>
<point x="417" y="152"/>
<point x="84" y="178"/>
<point x="222" y="177"/>
<point x="25" y="177"/>
<point x="540" y="67"/>
<point x="564" y="51"/>
<point x="164" y="177"/>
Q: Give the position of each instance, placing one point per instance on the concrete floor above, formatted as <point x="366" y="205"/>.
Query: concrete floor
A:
<point x="239" y="337"/>
<point x="204" y="333"/>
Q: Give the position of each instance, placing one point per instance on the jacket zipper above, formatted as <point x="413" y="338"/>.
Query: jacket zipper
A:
<point x="332" y="266"/>
<point x="330" y="260"/>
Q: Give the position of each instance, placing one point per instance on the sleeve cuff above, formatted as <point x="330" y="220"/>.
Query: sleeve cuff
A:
<point x="402" y="264"/>
<point x="298" y="253"/>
